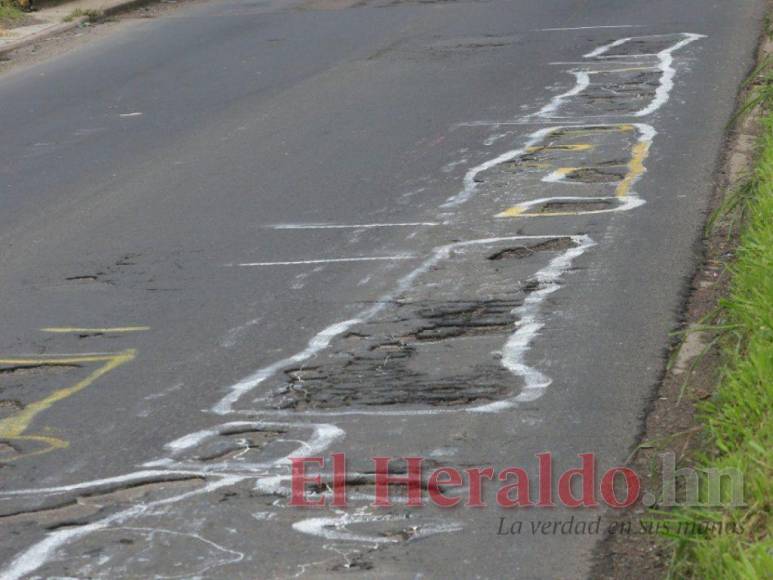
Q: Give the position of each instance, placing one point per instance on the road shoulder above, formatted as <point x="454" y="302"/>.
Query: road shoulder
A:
<point x="676" y="421"/>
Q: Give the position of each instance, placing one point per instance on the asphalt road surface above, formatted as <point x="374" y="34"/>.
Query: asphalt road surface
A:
<point x="245" y="231"/>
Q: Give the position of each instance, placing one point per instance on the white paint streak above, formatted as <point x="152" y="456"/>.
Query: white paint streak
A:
<point x="668" y="72"/>
<point x="36" y="555"/>
<point x="582" y="82"/>
<point x="590" y="27"/>
<point x="335" y="528"/>
<point x="350" y="226"/>
<point x="605" y="48"/>
<point x="470" y="185"/>
<point x="530" y="323"/>
<point x="327" y="261"/>
<point x="319" y="342"/>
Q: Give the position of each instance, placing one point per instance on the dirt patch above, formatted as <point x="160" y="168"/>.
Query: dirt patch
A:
<point x="17" y="22"/>
<point x="60" y="44"/>
<point x="330" y="4"/>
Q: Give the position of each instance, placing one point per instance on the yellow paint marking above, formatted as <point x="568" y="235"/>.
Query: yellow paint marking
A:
<point x="639" y="153"/>
<point x="14" y="427"/>
<point x="74" y="330"/>
<point x="564" y="171"/>
<point x="511" y="212"/>
<point x="635" y="168"/>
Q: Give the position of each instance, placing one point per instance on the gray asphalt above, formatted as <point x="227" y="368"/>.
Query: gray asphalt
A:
<point x="140" y="170"/>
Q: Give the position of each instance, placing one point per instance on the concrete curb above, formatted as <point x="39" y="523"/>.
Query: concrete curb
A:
<point x="57" y="29"/>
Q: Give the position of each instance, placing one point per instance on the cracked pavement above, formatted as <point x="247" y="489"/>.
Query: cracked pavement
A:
<point x="245" y="231"/>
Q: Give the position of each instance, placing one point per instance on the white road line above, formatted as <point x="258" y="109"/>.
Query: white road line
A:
<point x="590" y="27"/>
<point x="325" y="261"/>
<point x="349" y="226"/>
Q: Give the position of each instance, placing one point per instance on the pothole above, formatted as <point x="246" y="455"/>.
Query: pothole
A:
<point x="586" y="131"/>
<point x="403" y="389"/>
<point x="234" y="443"/>
<point x="412" y="360"/>
<point x="576" y="206"/>
<point x="595" y="175"/>
<point x="82" y="510"/>
<point x="551" y="245"/>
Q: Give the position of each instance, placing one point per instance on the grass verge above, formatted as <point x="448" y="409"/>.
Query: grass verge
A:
<point x="737" y="420"/>
<point x="88" y="15"/>
<point x="10" y="14"/>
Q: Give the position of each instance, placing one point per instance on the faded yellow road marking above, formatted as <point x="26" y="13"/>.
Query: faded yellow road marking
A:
<point x="635" y="168"/>
<point x="564" y="171"/>
<point x="14" y="428"/>
<point x="510" y="212"/>
<point x="68" y="330"/>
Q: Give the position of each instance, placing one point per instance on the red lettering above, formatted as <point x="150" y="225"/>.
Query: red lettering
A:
<point x="384" y="480"/>
<point x="521" y="487"/>
<point x="299" y="480"/>
<point x="451" y="478"/>
<point x="545" y="480"/>
<point x="339" y="480"/>
<point x="632" y="484"/>
<point x="476" y="475"/>
<point x="587" y="473"/>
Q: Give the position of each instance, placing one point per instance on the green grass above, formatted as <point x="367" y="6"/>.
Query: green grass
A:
<point x="9" y="13"/>
<point x="89" y="15"/>
<point x="737" y="420"/>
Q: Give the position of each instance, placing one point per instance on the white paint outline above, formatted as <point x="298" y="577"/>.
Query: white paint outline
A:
<point x="548" y="277"/>
<point x="665" y="62"/>
<point x="471" y="186"/>
<point x="626" y="202"/>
